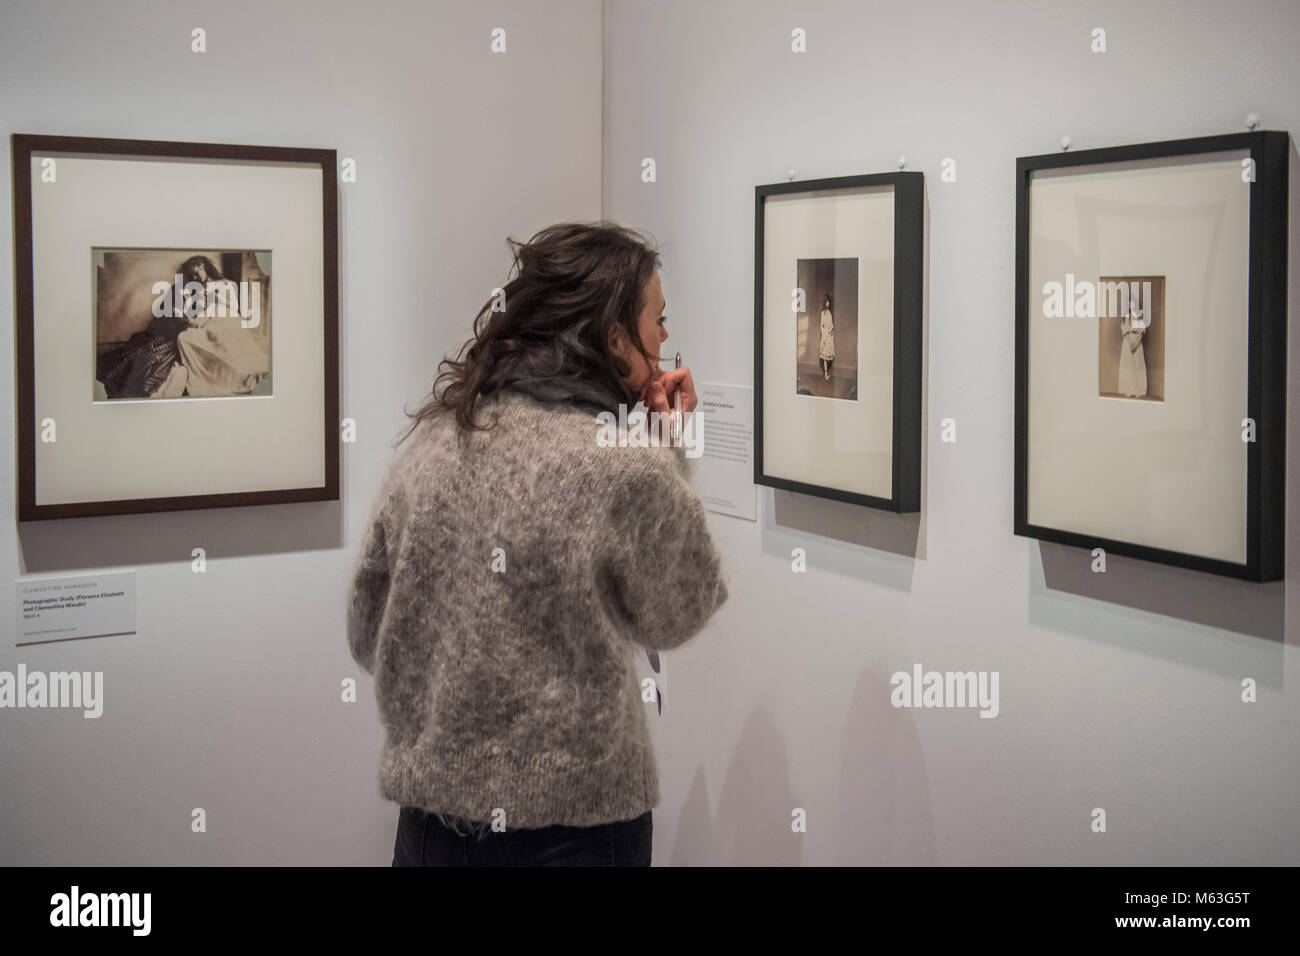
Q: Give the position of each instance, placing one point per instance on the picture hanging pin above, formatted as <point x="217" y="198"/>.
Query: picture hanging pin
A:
<point x="1066" y="142"/>
<point x="1252" y="122"/>
<point x="789" y="175"/>
<point x="902" y="162"/>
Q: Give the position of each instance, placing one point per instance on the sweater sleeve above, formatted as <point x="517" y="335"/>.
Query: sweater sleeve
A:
<point x="369" y="596"/>
<point x="663" y="575"/>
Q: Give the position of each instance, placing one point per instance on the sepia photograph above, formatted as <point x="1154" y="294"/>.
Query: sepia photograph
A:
<point x="826" y="339"/>
<point x="181" y="323"/>
<point x="1131" y="359"/>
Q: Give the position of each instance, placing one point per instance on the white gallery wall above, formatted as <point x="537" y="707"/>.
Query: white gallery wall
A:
<point x="1118" y="691"/>
<point x="228" y="697"/>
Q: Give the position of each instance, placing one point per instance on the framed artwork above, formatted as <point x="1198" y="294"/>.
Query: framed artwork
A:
<point x="838" y="299"/>
<point x="1150" y="406"/>
<point x="177" y="325"/>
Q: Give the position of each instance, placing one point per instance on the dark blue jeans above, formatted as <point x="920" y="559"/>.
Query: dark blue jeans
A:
<point x="424" y="840"/>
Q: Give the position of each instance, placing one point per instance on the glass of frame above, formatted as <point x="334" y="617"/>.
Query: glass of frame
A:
<point x="177" y="325"/>
<point x="838" y="285"/>
<point x="1151" y="351"/>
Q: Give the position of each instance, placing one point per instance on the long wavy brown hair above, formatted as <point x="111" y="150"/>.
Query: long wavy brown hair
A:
<point x="570" y="286"/>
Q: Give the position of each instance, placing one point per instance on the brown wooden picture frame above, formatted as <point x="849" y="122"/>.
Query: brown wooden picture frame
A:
<point x="23" y="147"/>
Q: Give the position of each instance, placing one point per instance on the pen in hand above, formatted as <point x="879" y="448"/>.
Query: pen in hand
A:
<point x="677" y="406"/>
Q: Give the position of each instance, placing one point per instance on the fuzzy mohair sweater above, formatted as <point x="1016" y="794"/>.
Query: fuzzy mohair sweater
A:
<point x="506" y="582"/>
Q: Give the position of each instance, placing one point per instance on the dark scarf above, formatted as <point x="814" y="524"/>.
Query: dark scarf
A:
<point x="586" y="394"/>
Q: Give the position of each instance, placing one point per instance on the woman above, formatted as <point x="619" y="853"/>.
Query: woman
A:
<point x="1132" y="357"/>
<point x="219" y="355"/>
<point x="148" y="364"/>
<point x="513" y="564"/>
<point x="828" y="337"/>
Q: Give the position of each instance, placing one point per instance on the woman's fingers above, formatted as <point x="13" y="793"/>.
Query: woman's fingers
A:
<point x="655" y="397"/>
<point x="679" y="379"/>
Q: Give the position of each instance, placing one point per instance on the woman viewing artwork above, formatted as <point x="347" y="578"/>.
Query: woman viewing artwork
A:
<point x="515" y="568"/>
<point x="827" y="352"/>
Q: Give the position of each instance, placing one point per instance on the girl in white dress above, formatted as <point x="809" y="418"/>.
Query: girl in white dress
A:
<point x="827" y="352"/>
<point x="1132" y="358"/>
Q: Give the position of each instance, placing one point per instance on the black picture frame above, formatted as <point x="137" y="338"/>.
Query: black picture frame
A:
<point x="908" y="302"/>
<point x="23" y="146"/>
<point x="1266" y="345"/>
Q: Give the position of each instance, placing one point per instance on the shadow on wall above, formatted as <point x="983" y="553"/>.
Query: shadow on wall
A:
<point x="1245" y="607"/>
<point x="752" y="825"/>
<point x="885" y="813"/>
<point x="165" y="537"/>
<point x="880" y="814"/>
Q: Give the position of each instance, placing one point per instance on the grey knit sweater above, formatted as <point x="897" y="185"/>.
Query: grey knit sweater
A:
<point x="505" y="582"/>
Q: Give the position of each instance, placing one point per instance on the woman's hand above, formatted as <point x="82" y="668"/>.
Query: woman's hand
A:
<point x="660" y="391"/>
